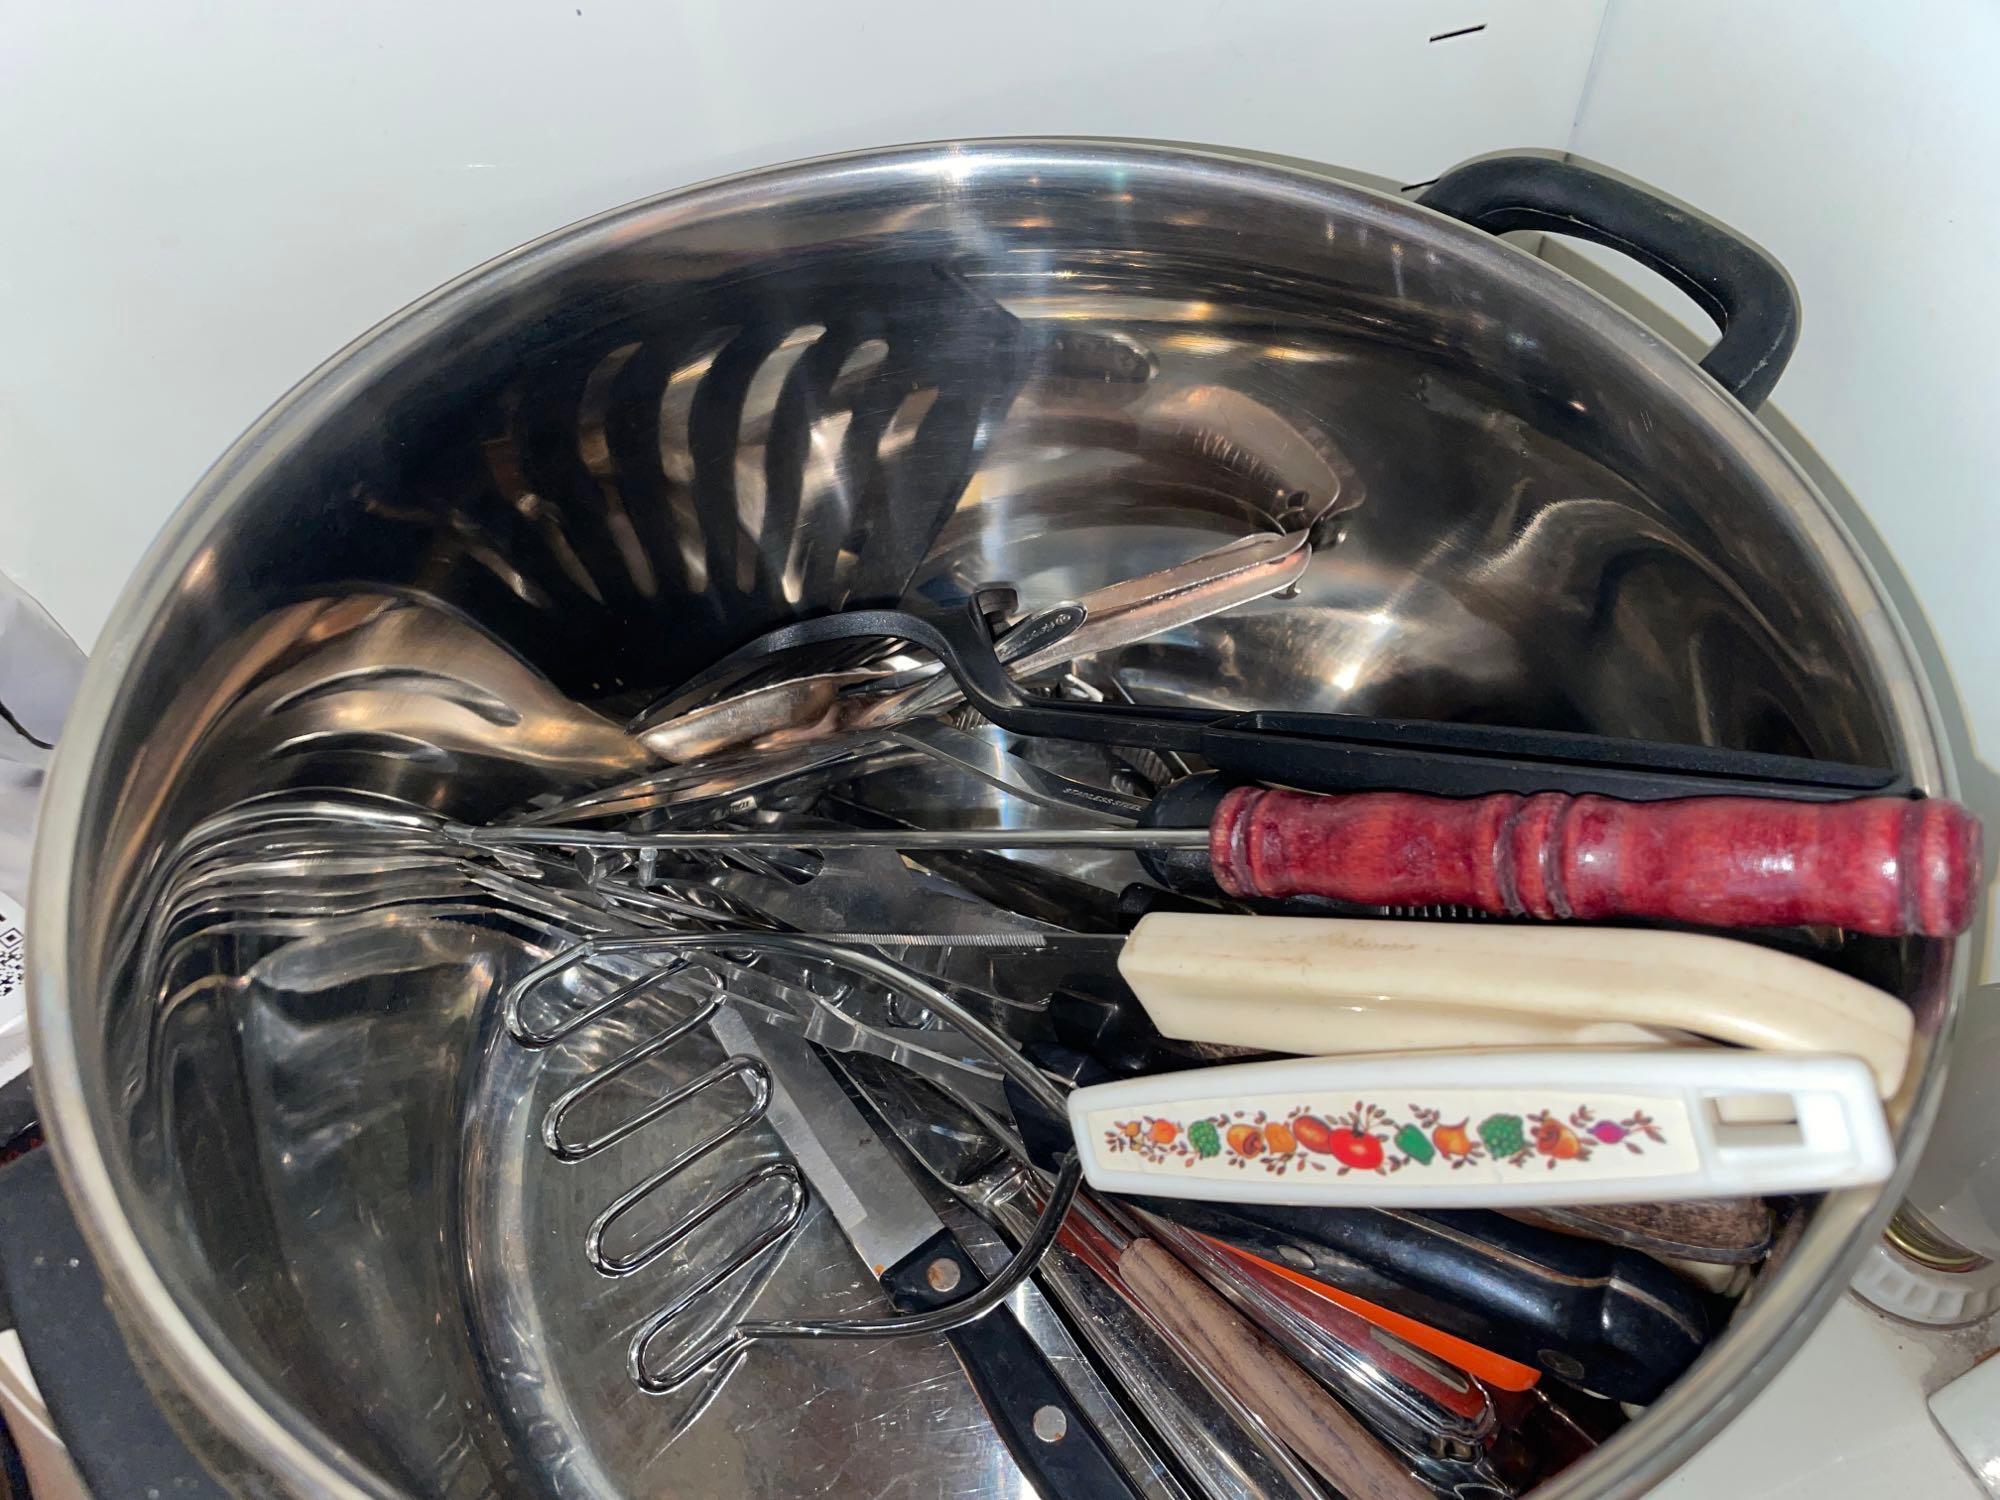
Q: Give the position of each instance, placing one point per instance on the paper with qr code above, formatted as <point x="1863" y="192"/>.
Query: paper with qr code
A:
<point x="13" y="993"/>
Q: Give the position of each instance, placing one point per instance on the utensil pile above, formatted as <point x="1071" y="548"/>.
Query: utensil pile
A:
<point x="1258" y="1039"/>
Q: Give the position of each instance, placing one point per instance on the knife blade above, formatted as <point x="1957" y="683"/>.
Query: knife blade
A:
<point x="921" y="1264"/>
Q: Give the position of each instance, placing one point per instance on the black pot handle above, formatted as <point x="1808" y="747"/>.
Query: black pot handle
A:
<point x="52" y="1296"/>
<point x="1739" y="286"/>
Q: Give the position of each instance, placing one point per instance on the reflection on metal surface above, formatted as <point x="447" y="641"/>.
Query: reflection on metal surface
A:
<point x="452" y="565"/>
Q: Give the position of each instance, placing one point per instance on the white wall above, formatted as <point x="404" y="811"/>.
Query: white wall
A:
<point x="1855" y="140"/>
<point x="205" y="198"/>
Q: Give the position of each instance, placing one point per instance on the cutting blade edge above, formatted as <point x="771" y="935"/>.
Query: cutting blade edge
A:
<point x="850" y="1167"/>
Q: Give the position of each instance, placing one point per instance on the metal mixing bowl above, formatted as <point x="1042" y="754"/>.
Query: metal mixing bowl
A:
<point x="584" y="471"/>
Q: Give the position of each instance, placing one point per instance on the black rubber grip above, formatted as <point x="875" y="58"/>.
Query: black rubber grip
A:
<point x="1743" y="289"/>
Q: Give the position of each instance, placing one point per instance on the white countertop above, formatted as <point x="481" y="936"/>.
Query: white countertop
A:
<point x="1845" y="1420"/>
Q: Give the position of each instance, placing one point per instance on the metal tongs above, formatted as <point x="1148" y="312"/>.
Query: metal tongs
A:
<point x="806" y="706"/>
<point x="1311" y="751"/>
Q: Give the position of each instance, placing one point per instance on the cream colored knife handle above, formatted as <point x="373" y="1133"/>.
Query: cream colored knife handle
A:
<point x="1301" y="984"/>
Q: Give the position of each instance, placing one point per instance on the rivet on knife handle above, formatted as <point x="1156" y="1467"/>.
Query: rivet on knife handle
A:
<point x="1884" y="865"/>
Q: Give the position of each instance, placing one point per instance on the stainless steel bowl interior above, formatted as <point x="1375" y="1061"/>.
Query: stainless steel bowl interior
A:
<point x="586" y="470"/>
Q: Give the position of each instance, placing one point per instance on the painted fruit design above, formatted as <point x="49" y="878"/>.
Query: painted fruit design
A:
<point x="1453" y="1140"/>
<point x="1357" y="1149"/>
<point x="1246" y="1140"/>
<point x="1592" y="1132"/>
<point x="1555" y="1139"/>
<point x="1415" y="1144"/>
<point x="1371" y="1138"/>
<point x="1314" y="1134"/>
<point x="1502" y="1135"/>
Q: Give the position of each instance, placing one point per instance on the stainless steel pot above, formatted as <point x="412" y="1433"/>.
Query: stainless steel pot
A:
<point x="585" y="470"/>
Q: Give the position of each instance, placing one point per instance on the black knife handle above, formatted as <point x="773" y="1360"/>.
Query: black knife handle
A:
<point x="1047" y="1433"/>
<point x="1610" y="1320"/>
<point x="1102" y="1020"/>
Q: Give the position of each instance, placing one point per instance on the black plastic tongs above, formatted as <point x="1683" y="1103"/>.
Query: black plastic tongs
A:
<point x="1322" y="752"/>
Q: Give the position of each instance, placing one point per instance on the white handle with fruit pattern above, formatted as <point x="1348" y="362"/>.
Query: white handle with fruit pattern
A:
<point x="1488" y="1129"/>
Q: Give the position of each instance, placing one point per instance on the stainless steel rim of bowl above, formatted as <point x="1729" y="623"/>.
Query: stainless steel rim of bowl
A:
<point x="278" y="1440"/>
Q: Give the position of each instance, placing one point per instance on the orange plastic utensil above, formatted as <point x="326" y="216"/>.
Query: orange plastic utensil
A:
<point x="1482" y="1364"/>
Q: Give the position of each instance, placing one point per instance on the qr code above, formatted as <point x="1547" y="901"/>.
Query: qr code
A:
<point x="10" y="961"/>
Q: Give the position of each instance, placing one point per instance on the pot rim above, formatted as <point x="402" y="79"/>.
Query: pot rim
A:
<point x="285" y="1442"/>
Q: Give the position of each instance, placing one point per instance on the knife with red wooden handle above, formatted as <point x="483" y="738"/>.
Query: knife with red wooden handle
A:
<point x="1885" y="865"/>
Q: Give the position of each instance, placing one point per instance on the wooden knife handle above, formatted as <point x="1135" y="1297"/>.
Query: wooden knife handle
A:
<point x="1300" y="1412"/>
<point x="1888" y="865"/>
<point x="1717" y="1231"/>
